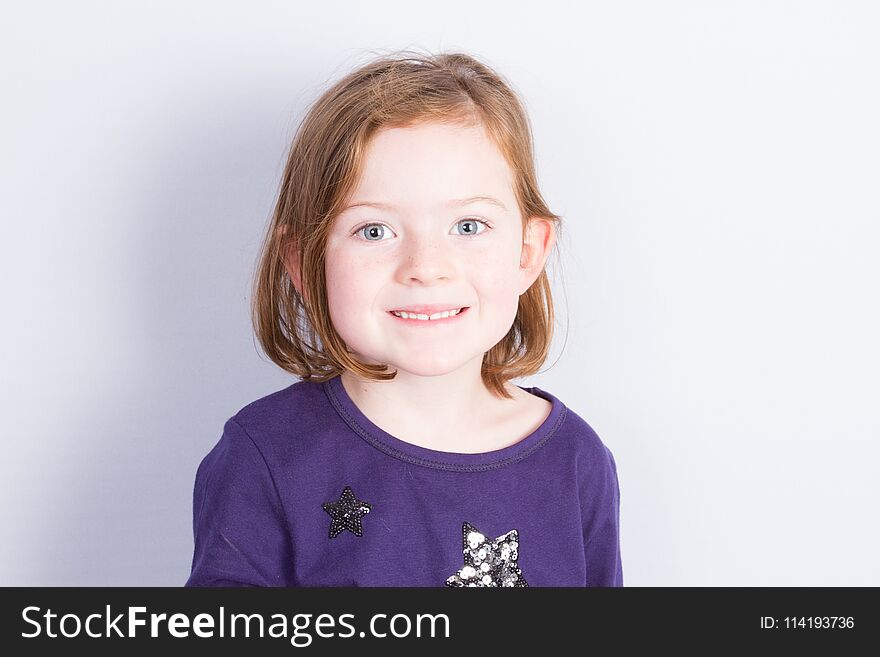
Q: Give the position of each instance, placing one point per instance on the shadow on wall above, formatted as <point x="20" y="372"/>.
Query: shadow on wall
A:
<point x="122" y="514"/>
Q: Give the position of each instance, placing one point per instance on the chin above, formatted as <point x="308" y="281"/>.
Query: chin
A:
<point x="426" y="369"/>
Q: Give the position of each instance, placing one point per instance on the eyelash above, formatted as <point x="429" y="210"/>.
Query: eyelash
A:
<point x="379" y="223"/>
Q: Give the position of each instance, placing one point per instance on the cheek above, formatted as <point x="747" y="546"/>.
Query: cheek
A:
<point x="497" y="278"/>
<point x="339" y="286"/>
<point x="352" y="287"/>
<point x="342" y="299"/>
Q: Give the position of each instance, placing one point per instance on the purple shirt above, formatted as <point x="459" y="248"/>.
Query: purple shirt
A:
<point x="302" y="489"/>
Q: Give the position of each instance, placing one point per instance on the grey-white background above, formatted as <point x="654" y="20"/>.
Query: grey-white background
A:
<point x="717" y="168"/>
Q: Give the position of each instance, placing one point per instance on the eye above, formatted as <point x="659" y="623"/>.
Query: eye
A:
<point x="473" y="231"/>
<point x="374" y="230"/>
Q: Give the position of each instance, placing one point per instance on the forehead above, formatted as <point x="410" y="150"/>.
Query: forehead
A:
<point x="432" y="162"/>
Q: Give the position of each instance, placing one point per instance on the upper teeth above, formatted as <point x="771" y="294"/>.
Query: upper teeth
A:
<point x="443" y="315"/>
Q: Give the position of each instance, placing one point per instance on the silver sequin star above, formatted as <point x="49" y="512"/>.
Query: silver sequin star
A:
<point x="488" y="563"/>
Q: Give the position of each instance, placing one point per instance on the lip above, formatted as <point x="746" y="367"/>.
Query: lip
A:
<point x="429" y="309"/>
<point x="421" y="323"/>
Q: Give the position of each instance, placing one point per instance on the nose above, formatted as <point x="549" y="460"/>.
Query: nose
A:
<point x="426" y="259"/>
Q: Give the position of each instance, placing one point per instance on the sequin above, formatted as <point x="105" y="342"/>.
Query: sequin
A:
<point x="494" y="561"/>
<point x="346" y="513"/>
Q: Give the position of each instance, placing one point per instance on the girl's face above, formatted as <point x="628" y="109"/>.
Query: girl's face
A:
<point x="409" y="237"/>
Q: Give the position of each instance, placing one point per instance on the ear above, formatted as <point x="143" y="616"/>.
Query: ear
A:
<point x="290" y="258"/>
<point x="539" y="241"/>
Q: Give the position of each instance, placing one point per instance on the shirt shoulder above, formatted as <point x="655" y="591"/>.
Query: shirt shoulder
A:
<point x="294" y="414"/>
<point x="582" y="440"/>
<point x="300" y="401"/>
<point x="599" y="495"/>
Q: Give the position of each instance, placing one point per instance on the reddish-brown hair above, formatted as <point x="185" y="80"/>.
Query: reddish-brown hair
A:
<point x="291" y="318"/>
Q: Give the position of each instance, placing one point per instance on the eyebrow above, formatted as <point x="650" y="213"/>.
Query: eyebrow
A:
<point x="458" y="202"/>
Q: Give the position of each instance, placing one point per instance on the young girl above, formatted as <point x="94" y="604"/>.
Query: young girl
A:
<point x="402" y="280"/>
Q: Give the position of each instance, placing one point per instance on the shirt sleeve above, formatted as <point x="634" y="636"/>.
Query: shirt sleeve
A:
<point x="602" y="530"/>
<point x="239" y="526"/>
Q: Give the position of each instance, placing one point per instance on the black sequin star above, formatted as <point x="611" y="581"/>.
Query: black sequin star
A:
<point x="488" y="563"/>
<point x="346" y="513"/>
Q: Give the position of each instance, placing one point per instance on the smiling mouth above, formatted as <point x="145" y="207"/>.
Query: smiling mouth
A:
<point x="419" y="318"/>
